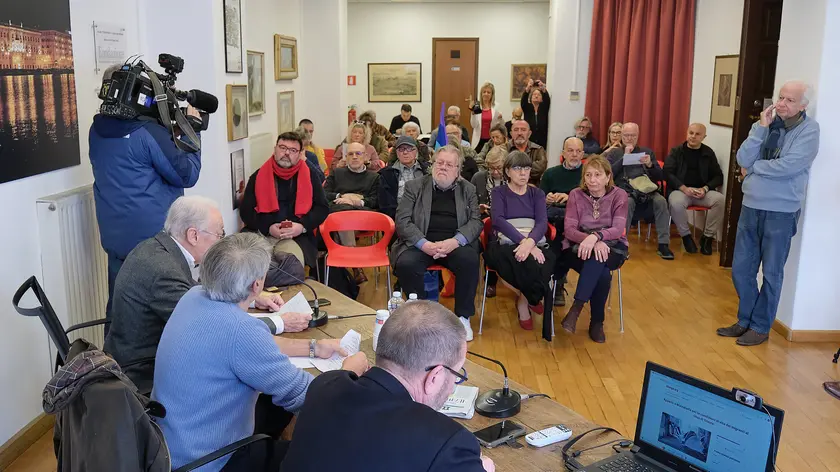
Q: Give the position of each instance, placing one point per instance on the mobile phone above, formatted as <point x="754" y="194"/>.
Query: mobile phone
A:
<point x="499" y="433"/>
<point x="321" y="302"/>
<point x="286" y="224"/>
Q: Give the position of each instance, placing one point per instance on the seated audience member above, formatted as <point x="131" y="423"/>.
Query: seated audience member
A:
<point x="311" y="157"/>
<point x="420" y="357"/>
<point x="693" y="175"/>
<point x="285" y="202"/>
<point x="470" y="166"/>
<point x="438" y="223"/>
<point x="640" y="183"/>
<point x="484" y="116"/>
<point x="411" y="130"/>
<point x="583" y="131"/>
<point x="353" y="188"/>
<point x="498" y="137"/>
<point x="515" y="115"/>
<point x="405" y="116"/>
<point x="156" y="274"/>
<point x="215" y="360"/>
<point x="393" y="178"/>
<point x="515" y="249"/>
<point x="358" y="132"/>
<point x="485" y="181"/>
<point x="453" y="115"/>
<point x="309" y="126"/>
<point x="520" y="140"/>
<point x="535" y="105"/>
<point x="377" y="131"/>
<point x="594" y="243"/>
<point x="613" y="139"/>
<point x="557" y="183"/>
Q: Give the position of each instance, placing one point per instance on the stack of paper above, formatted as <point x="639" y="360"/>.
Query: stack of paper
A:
<point x="461" y="404"/>
<point x="350" y="343"/>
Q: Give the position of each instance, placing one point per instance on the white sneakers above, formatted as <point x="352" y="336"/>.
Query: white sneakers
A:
<point x="466" y="323"/>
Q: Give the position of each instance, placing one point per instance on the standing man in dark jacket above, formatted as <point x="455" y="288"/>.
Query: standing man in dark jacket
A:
<point x="138" y="172"/>
<point x="693" y="175"/>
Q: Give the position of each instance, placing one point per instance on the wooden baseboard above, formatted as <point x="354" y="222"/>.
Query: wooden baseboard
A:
<point x="805" y="336"/>
<point x="24" y="439"/>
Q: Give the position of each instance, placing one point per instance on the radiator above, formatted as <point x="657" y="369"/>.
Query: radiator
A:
<point x="73" y="263"/>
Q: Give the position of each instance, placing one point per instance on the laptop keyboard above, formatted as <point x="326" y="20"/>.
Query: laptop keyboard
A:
<point x="625" y="464"/>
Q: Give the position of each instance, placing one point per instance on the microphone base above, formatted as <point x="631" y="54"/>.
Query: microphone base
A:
<point x="495" y="404"/>
<point x="320" y="320"/>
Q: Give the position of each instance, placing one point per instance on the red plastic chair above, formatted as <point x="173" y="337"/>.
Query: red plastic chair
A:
<point x="328" y="156"/>
<point x="375" y="255"/>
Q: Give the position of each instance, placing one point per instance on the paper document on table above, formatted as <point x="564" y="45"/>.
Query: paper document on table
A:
<point x="350" y="343"/>
<point x="461" y="403"/>
<point x="297" y="304"/>
<point x="633" y="159"/>
<point x="301" y="362"/>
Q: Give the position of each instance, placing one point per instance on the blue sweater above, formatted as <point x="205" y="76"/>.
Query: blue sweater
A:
<point x="779" y="184"/>
<point x="212" y="362"/>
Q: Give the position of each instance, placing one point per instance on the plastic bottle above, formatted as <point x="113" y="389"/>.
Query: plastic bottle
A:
<point x="395" y="302"/>
<point x="431" y="285"/>
<point x="381" y="317"/>
<point x="412" y="297"/>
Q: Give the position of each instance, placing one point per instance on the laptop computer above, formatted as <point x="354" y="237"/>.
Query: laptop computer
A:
<point x="686" y="424"/>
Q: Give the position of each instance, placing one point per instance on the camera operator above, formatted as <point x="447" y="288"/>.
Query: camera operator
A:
<point x="138" y="172"/>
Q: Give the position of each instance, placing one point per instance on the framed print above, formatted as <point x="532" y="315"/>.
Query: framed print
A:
<point x="237" y="176"/>
<point x="237" y="112"/>
<point x="724" y="89"/>
<point x="395" y="82"/>
<point x="256" y="83"/>
<point x="285" y="57"/>
<point x="520" y="74"/>
<point x="285" y="111"/>
<point x="233" y="36"/>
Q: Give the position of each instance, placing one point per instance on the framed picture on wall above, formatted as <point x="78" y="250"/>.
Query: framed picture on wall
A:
<point x="724" y="88"/>
<point x="285" y="111"/>
<point x="233" y="36"/>
<point x="256" y="83"/>
<point x="237" y="176"/>
<point x="520" y="74"/>
<point x="395" y="82"/>
<point x="285" y="57"/>
<point x="237" y="112"/>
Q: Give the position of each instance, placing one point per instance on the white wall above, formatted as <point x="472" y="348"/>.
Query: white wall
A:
<point x="717" y="33"/>
<point x="515" y="33"/>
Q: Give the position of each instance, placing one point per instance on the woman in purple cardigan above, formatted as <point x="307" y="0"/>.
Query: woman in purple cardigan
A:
<point x="595" y="242"/>
<point x="516" y="250"/>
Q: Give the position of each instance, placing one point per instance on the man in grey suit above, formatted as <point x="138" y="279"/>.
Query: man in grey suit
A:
<point x="154" y="277"/>
<point x="438" y="223"/>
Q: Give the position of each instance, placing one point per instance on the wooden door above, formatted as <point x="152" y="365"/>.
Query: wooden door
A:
<point x="454" y="75"/>
<point x="756" y="78"/>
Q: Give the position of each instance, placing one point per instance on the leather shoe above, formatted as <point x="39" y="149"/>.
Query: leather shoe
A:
<point x="527" y="325"/>
<point x="833" y="389"/>
<point x="569" y="323"/>
<point x="560" y="296"/>
<point x="706" y="245"/>
<point x="752" y="338"/>
<point x="733" y="331"/>
<point x="491" y="291"/>
<point x="664" y="252"/>
<point x="688" y="244"/>
<point x="596" y="332"/>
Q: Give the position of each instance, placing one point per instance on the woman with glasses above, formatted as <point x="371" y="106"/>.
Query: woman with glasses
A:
<point x="595" y="243"/>
<point x="614" y="139"/>
<point x="515" y="249"/>
<point x="358" y="132"/>
<point x="485" y="181"/>
<point x="485" y="116"/>
<point x="583" y="131"/>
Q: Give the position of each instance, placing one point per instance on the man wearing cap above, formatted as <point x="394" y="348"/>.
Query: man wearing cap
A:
<point x="393" y="178"/>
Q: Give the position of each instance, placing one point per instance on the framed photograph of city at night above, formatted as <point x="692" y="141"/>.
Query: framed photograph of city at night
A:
<point x="39" y="127"/>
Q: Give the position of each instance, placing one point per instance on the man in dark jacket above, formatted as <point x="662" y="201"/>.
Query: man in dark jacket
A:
<point x="388" y="416"/>
<point x="694" y="175"/>
<point x="392" y="179"/>
<point x="138" y="172"/>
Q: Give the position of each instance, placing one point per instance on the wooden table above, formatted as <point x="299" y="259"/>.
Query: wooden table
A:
<point x="536" y="414"/>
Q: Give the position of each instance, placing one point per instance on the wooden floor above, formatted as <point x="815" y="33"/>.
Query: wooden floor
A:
<point x="672" y="309"/>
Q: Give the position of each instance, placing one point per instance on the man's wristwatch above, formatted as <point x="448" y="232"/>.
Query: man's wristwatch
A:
<point x="706" y="188"/>
<point x="312" y="348"/>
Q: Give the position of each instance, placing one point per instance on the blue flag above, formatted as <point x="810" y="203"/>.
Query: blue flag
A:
<point x="441" y="135"/>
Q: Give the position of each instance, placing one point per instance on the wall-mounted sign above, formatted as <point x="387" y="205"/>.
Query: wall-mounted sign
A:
<point x="351" y="80"/>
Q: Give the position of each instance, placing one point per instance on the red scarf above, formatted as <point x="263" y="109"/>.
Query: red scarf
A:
<point x="266" y="188"/>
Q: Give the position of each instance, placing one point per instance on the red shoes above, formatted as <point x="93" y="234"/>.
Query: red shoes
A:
<point x="527" y="325"/>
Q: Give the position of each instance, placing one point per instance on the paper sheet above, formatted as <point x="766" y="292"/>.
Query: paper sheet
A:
<point x="633" y="159"/>
<point x="301" y="362"/>
<point x="297" y="304"/>
<point x="350" y="343"/>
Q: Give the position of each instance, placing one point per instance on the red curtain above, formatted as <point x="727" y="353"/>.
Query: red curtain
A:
<point x="640" y="65"/>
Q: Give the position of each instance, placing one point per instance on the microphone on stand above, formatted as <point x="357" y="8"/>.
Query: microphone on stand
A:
<point x="319" y="317"/>
<point x="500" y="402"/>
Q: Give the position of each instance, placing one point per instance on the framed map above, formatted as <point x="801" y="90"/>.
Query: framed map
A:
<point x="395" y="82"/>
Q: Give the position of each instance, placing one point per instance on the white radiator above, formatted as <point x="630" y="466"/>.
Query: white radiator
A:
<point x="74" y="265"/>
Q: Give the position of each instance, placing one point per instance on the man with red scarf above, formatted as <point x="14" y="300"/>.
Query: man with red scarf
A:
<point x="285" y="202"/>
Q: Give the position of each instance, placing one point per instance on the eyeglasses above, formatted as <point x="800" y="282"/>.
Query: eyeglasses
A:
<point x="291" y="151"/>
<point x="355" y="153"/>
<point x="461" y="376"/>
<point x="616" y="133"/>
<point x="446" y="165"/>
<point x="495" y="169"/>
<point x="217" y="235"/>
<point x="625" y="135"/>
<point x="521" y="169"/>
<point x="582" y="127"/>
<point x="405" y="149"/>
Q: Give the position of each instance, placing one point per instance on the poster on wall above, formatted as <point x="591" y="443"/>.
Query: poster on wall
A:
<point x="39" y="128"/>
<point x="395" y="82"/>
<point x="233" y="36"/>
<point x="237" y="176"/>
<point x="237" y="112"/>
<point x="520" y="74"/>
<point x="724" y="89"/>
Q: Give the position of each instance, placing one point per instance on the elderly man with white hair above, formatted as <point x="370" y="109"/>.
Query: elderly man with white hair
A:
<point x="154" y="277"/>
<point x="411" y="130"/>
<point x="776" y="160"/>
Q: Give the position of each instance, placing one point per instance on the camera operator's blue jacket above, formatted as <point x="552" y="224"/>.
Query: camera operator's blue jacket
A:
<point x="138" y="172"/>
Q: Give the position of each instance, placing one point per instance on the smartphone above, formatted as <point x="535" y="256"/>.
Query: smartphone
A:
<point x="286" y="224"/>
<point x="321" y="302"/>
<point x="499" y="433"/>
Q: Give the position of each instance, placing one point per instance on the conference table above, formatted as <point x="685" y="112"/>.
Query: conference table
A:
<point x="537" y="413"/>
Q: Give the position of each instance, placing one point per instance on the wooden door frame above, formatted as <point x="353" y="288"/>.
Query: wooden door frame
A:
<point x="436" y="113"/>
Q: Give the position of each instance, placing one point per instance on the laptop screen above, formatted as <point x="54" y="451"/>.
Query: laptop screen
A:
<point x="709" y="431"/>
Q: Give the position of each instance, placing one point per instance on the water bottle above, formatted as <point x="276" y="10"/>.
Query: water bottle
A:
<point x="431" y="285"/>
<point x="412" y="297"/>
<point x="395" y="302"/>
<point x="381" y="317"/>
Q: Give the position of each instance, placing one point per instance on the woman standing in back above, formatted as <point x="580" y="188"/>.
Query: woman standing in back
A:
<point x="535" y="105"/>
<point x="484" y="116"/>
